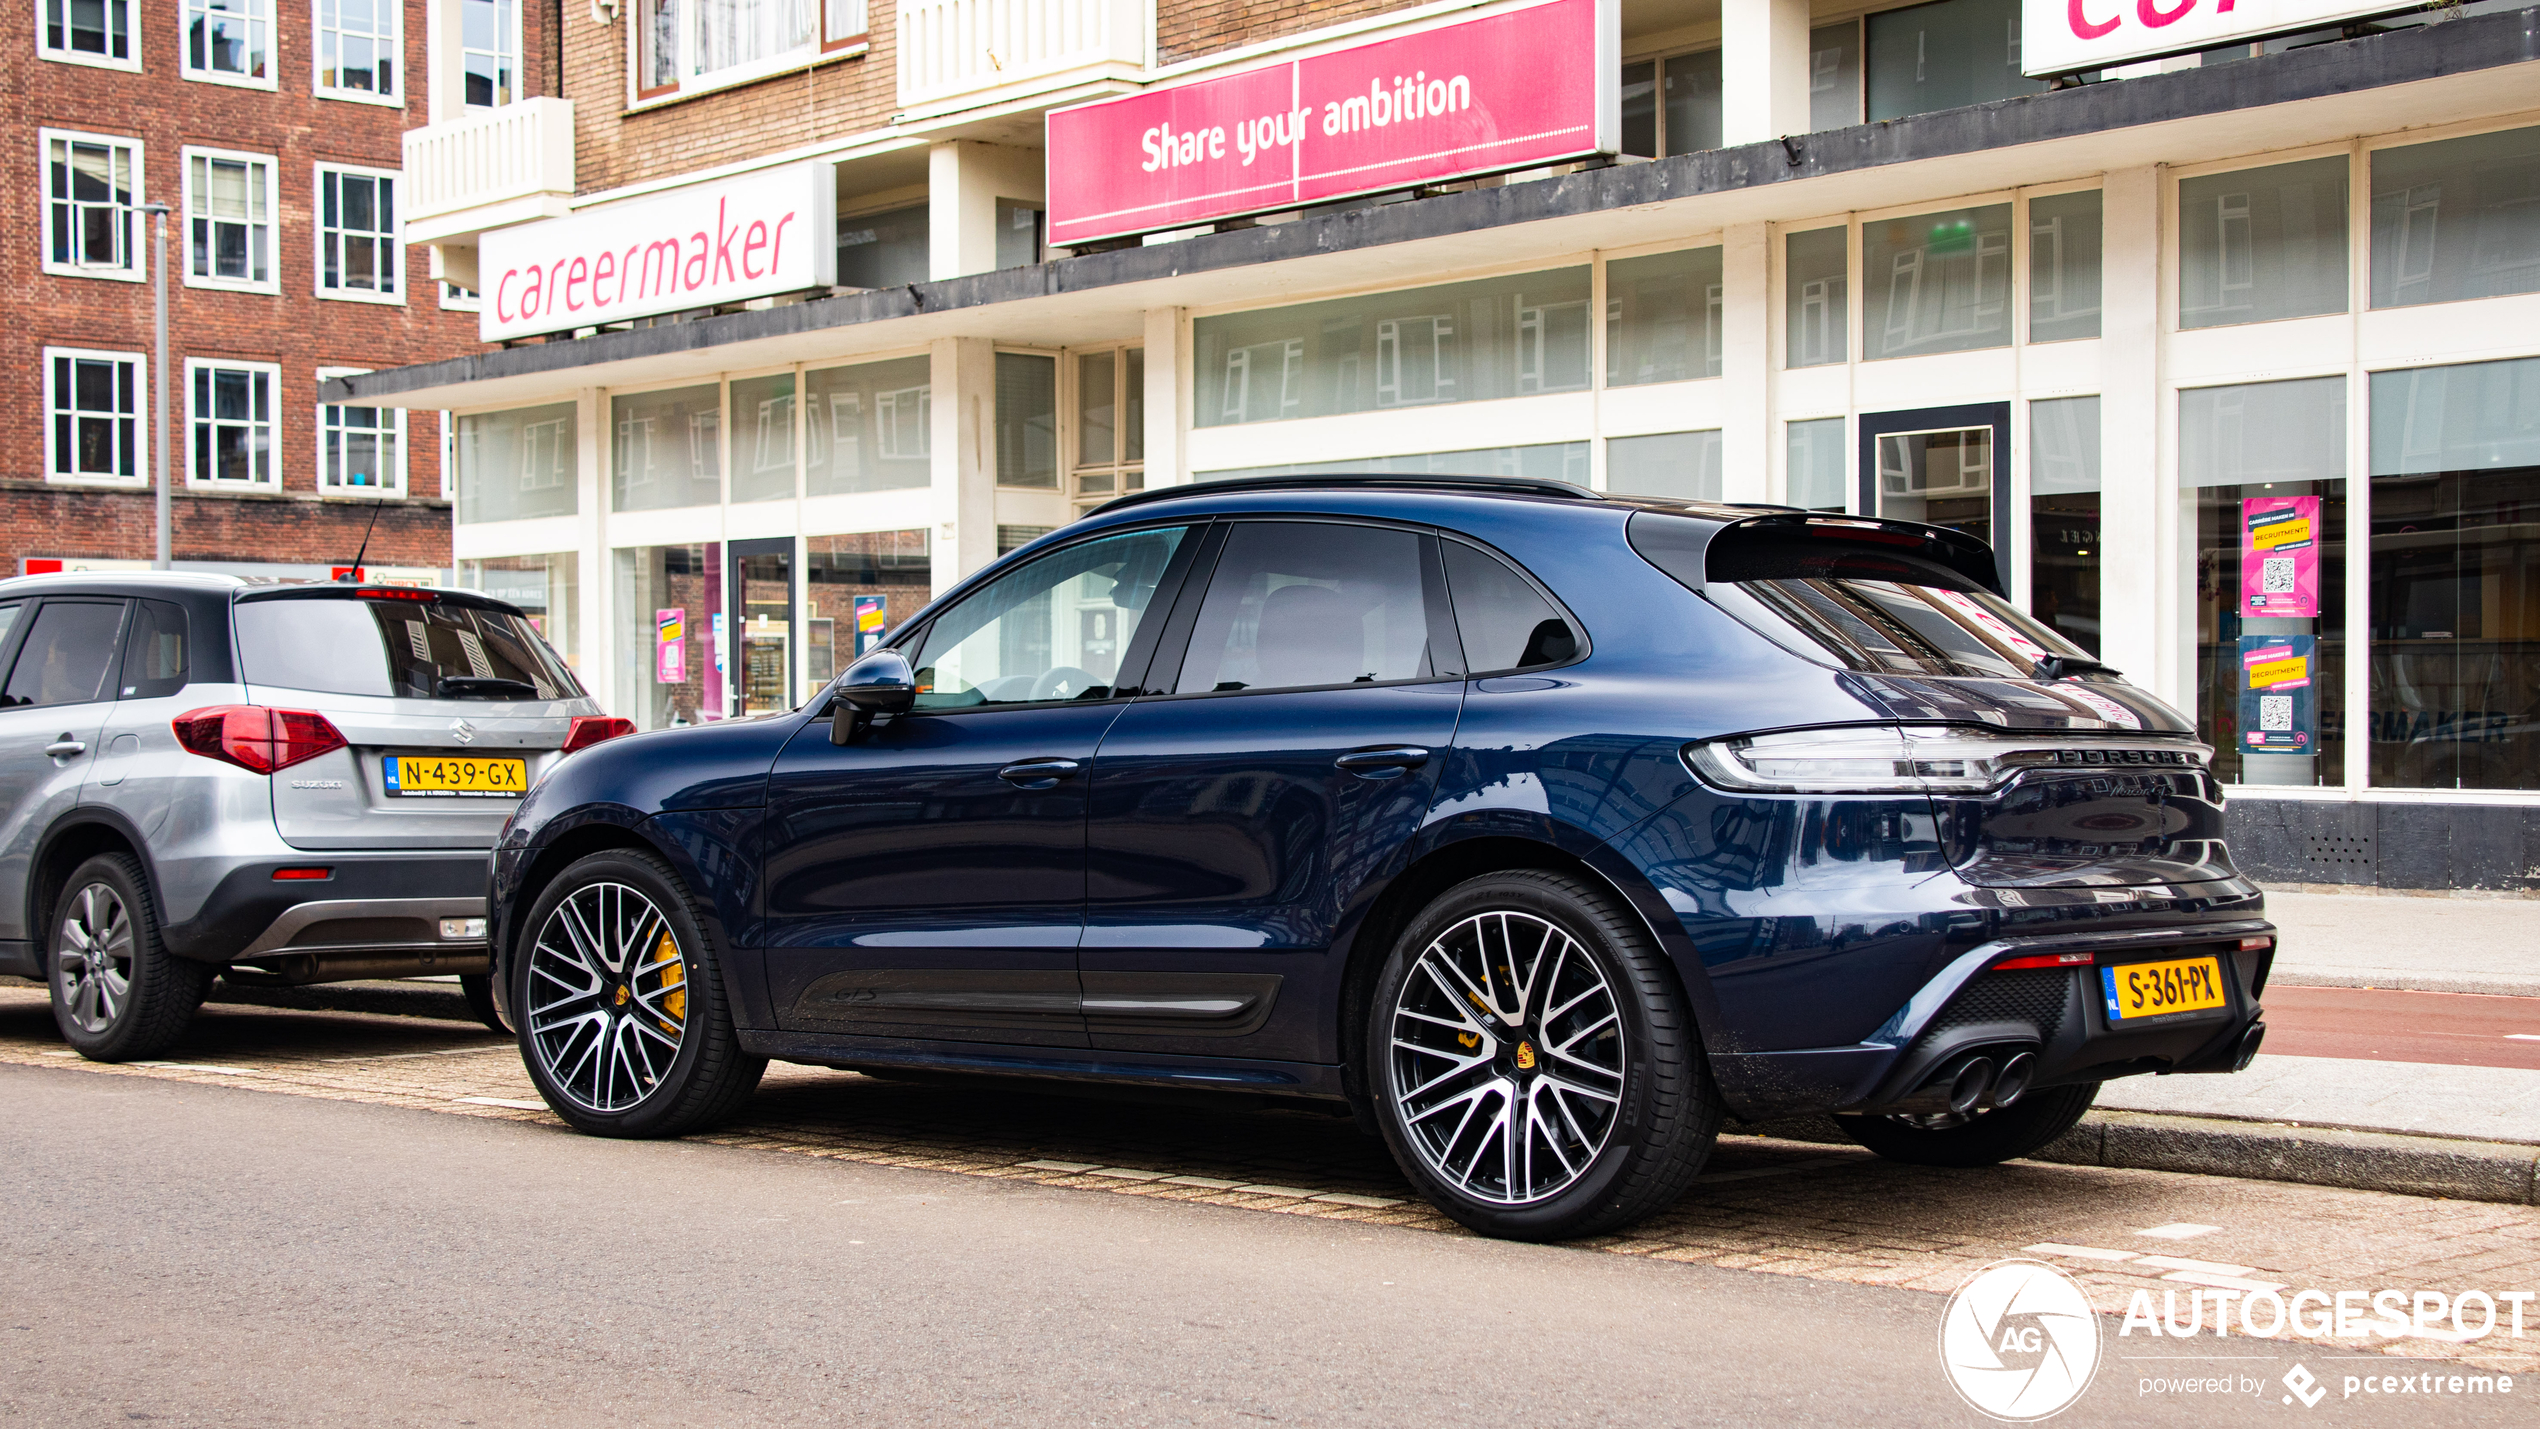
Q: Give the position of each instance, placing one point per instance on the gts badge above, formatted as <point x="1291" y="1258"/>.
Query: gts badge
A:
<point x="317" y="783"/>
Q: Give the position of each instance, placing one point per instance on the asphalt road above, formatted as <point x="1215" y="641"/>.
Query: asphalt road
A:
<point x="195" y="1255"/>
<point x="2377" y="1025"/>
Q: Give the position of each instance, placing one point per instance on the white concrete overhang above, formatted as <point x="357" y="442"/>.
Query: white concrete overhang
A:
<point x="2486" y="68"/>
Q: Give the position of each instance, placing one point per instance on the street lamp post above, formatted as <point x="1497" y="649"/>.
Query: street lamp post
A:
<point x="159" y="386"/>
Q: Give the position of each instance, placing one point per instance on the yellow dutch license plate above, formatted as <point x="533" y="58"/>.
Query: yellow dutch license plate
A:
<point x="2138" y="990"/>
<point x="437" y="777"/>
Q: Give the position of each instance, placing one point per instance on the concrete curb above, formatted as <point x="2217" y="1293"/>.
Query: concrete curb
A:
<point x="2394" y="980"/>
<point x="2452" y="1169"/>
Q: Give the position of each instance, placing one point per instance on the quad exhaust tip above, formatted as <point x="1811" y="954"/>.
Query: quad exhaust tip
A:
<point x="1967" y="1090"/>
<point x="2014" y="1079"/>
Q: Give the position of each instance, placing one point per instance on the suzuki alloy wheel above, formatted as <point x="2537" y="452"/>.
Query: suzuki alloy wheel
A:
<point x="1979" y="1139"/>
<point x="1532" y="1062"/>
<point x="118" y="993"/>
<point x="620" y="1004"/>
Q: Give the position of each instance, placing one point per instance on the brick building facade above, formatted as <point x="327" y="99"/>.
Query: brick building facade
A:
<point x="253" y="123"/>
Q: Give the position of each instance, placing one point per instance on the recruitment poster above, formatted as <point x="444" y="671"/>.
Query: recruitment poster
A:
<point x="2280" y="557"/>
<point x="2279" y="705"/>
<point x="868" y="621"/>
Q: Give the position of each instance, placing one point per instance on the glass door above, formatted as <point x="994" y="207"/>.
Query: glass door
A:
<point x="1944" y="466"/>
<point x="763" y="614"/>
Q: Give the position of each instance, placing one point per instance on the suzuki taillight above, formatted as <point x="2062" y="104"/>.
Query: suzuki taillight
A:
<point x="589" y="730"/>
<point x="255" y="738"/>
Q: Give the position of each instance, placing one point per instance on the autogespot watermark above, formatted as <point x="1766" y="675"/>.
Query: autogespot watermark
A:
<point x="2020" y="1342"/>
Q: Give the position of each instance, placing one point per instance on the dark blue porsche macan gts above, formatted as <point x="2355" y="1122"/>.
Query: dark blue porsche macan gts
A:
<point x="1541" y="830"/>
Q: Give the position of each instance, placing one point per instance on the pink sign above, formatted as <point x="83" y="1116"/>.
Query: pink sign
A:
<point x="2280" y="557"/>
<point x="671" y="643"/>
<point x="1510" y="90"/>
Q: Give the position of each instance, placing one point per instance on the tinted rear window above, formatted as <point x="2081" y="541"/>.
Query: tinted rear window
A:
<point x="405" y="649"/>
<point x="1867" y="604"/>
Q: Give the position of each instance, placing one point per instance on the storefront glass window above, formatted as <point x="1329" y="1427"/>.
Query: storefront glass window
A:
<point x="545" y="589"/>
<point x="2063" y="267"/>
<point x="1943" y="56"/>
<point x="1937" y="282"/>
<point x="1817" y="464"/>
<point x="1692" y="92"/>
<point x="1683" y="465"/>
<point x="1814" y="282"/>
<point x="1662" y="317"/>
<point x="868" y="427"/>
<point x="1027" y="419"/>
<point x="2063" y="517"/>
<point x="2456" y="577"/>
<point x="1547" y="461"/>
<point x="666" y="449"/>
<point x="763" y="438"/>
<point x="884" y="250"/>
<point x="1514" y="336"/>
<point x="2260" y="244"/>
<point x="514" y="465"/>
<point x="670" y="639"/>
<point x="1111" y="420"/>
<point x="1834" y="75"/>
<point x="857" y="589"/>
<point x="2262" y="468"/>
<point x="2456" y="219"/>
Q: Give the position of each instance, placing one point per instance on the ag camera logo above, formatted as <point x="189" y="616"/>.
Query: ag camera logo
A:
<point x="2019" y="1341"/>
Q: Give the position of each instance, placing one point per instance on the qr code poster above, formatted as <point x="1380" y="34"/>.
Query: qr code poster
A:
<point x="2275" y="712"/>
<point x="2280" y="557"/>
<point x="2279" y="694"/>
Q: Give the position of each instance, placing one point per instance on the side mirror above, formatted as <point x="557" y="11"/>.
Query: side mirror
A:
<point x="880" y="684"/>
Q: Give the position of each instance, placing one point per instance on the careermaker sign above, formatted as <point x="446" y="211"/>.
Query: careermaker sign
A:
<point x="1535" y="84"/>
<point x="752" y="237"/>
<point x="2075" y="36"/>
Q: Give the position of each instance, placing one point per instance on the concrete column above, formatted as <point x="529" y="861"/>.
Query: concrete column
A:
<point x="964" y="180"/>
<point x="1168" y="401"/>
<point x="2138" y="596"/>
<point x="445" y="85"/>
<point x="597" y="577"/>
<point x="962" y="431"/>
<point x="1748" y="433"/>
<point x="1763" y="69"/>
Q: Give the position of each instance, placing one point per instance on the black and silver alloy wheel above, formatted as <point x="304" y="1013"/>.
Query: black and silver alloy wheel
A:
<point x="1508" y="1058"/>
<point x="608" y="997"/>
<point x="1531" y="1060"/>
<point x="622" y="1018"/>
<point x="118" y="993"/>
<point x="92" y="957"/>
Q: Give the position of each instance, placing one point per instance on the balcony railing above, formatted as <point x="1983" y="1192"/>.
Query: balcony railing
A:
<point x="958" y="53"/>
<point x="493" y="168"/>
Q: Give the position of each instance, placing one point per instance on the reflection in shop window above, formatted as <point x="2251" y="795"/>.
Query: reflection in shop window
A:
<point x="2456" y="577"/>
<point x="867" y="427"/>
<point x="1834" y="75"/>
<point x="1672" y="106"/>
<point x="1944" y="56"/>
<point x="1937" y="282"/>
<point x="2456" y="219"/>
<point x="670" y="641"/>
<point x="2263" y="468"/>
<point x="1682" y="465"/>
<point x="857" y="590"/>
<point x="545" y="589"/>
<point x="1814" y="279"/>
<point x="667" y="449"/>
<point x="763" y="438"/>
<point x="1544" y="461"/>
<point x="2063" y="517"/>
<point x="2063" y="267"/>
<point x="2260" y="244"/>
<point x="1818" y="460"/>
<point x="1460" y="342"/>
<point x="1662" y="317"/>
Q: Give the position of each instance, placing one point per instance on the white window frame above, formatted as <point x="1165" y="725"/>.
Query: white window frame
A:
<point x="507" y="51"/>
<point x="451" y="302"/>
<point x="394" y="97"/>
<point x="393" y="485"/>
<point x="272" y="373"/>
<point x="272" y="282"/>
<point x="130" y="64"/>
<point x="131" y="272"/>
<point x="185" y="50"/>
<point x="140" y="419"/>
<point x="840" y="28"/>
<point x="318" y="232"/>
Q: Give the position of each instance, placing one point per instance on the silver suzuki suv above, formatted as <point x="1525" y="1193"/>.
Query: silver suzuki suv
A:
<point x="278" y="784"/>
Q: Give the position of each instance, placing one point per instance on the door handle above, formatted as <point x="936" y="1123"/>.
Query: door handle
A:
<point x="1039" y="773"/>
<point x="65" y="747"/>
<point x="1382" y="763"/>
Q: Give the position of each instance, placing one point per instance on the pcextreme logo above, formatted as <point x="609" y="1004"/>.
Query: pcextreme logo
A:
<point x="2019" y="1341"/>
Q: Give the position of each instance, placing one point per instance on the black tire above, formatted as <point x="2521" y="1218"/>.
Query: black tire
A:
<point x="478" y="989"/>
<point x="119" y="995"/>
<point x="1664" y="1112"/>
<point x="1985" y="1139"/>
<point x="637" y="1087"/>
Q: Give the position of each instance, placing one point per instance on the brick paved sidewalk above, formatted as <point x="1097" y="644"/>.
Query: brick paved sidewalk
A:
<point x="1780" y="1207"/>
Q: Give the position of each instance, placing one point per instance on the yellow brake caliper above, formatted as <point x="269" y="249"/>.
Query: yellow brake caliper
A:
<point x="672" y="977"/>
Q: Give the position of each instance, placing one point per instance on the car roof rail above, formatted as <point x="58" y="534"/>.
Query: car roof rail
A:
<point x="1477" y="485"/>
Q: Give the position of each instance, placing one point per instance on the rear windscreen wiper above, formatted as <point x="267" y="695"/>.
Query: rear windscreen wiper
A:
<point x="475" y="687"/>
<point x="2055" y="667"/>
